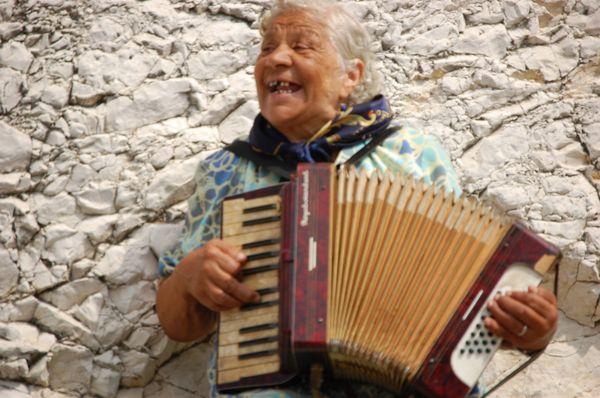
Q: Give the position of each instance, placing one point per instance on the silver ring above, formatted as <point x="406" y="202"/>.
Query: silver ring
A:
<point x="523" y="331"/>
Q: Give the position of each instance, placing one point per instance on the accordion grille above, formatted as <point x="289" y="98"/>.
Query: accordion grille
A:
<point x="402" y="259"/>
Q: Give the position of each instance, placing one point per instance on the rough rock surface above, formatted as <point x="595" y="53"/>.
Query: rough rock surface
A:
<point x="107" y="107"/>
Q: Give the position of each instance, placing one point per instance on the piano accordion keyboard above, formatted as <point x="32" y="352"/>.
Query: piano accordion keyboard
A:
<point x="248" y="343"/>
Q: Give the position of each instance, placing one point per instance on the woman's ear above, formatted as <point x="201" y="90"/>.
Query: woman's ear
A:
<point x="352" y="77"/>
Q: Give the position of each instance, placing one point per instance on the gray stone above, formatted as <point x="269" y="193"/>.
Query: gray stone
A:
<point x="62" y="324"/>
<point x="434" y="41"/>
<point x="151" y="103"/>
<point x="38" y="373"/>
<point x="73" y="293"/>
<point x="55" y="95"/>
<point x="98" y="199"/>
<point x="14" y="183"/>
<point x="592" y="238"/>
<point x="98" y="229"/>
<point x="171" y="185"/>
<point x="16" y="148"/>
<point x="162" y="46"/>
<point x="112" y="327"/>
<point x="591" y="139"/>
<point x="209" y="64"/>
<point x="86" y="95"/>
<point x="569" y="230"/>
<point x="134" y="299"/>
<point x="161" y="157"/>
<point x="76" y="377"/>
<point x="107" y="30"/>
<point x="139" y="368"/>
<point x="14" y="369"/>
<point x="8" y="30"/>
<point x="15" y="55"/>
<point x="491" y="41"/>
<point x="593" y="24"/>
<point x="12" y="86"/>
<point x="127" y="264"/>
<point x="54" y="209"/>
<point x="239" y="122"/>
<point x="554" y="61"/>
<point x="515" y="11"/>
<point x="105" y="382"/>
<point x="177" y="373"/>
<point x="9" y="272"/>
<point x="19" y="311"/>
<point x="66" y="244"/>
<point x="88" y="312"/>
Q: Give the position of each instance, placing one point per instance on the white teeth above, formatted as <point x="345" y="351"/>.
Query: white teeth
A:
<point x="283" y="91"/>
<point x="278" y="83"/>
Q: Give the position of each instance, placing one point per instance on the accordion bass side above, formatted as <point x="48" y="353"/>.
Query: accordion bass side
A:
<point x="379" y="278"/>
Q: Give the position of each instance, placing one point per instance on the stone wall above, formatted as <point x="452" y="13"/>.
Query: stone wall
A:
<point x="107" y="106"/>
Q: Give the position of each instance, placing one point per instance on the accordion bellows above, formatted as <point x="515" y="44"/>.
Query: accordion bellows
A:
<point x="380" y="278"/>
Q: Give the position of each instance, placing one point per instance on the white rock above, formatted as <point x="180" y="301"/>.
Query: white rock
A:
<point x="9" y="272"/>
<point x="14" y="390"/>
<point x="592" y="238"/>
<point x="242" y="87"/>
<point x="515" y="11"/>
<point x="570" y="230"/>
<point x="105" y="382"/>
<point x="105" y="29"/>
<point x="139" y="368"/>
<point x="208" y="65"/>
<point x="19" y="311"/>
<point x="15" y="151"/>
<point x="112" y="327"/>
<point x="490" y="12"/>
<point x="114" y="72"/>
<point x="564" y="208"/>
<point x="239" y="122"/>
<point x="511" y="196"/>
<point x="225" y="32"/>
<point x="162" y="46"/>
<point x="70" y="368"/>
<point x="593" y="24"/>
<point x="97" y="199"/>
<point x="63" y="324"/>
<point x="208" y="134"/>
<point x="57" y="208"/>
<point x="42" y="278"/>
<point x="14" y="369"/>
<point x="493" y="152"/>
<point x="591" y="138"/>
<point x="88" y="312"/>
<point x="127" y="264"/>
<point x="8" y="30"/>
<point x="12" y="86"/>
<point x="179" y="374"/>
<point x="138" y="338"/>
<point x="134" y="299"/>
<point x="66" y="244"/>
<point x="581" y="300"/>
<point x="171" y="185"/>
<point x="128" y="393"/>
<point x="38" y="373"/>
<point x="73" y="293"/>
<point x="491" y="41"/>
<point x="161" y="157"/>
<point x="590" y="47"/>
<point x="151" y="103"/>
<point x="16" y="56"/>
<point x="81" y="174"/>
<point x="98" y="229"/>
<point x="86" y="95"/>
<point x="434" y="41"/>
<point x="14" y="183"/>
<point x="159" y="237"/>
<point x="553" y="61"/>
<point x="55" y="95"/>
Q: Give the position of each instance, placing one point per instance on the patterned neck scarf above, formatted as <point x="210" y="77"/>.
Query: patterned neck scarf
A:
<point x="353" y="125"/>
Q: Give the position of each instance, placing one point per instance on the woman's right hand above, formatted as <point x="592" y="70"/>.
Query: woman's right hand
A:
<point x="209" y="276"/>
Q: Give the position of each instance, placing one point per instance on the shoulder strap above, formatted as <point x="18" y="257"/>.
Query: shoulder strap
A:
<point x="244" y="149"/>
<point x="375" y="142"/>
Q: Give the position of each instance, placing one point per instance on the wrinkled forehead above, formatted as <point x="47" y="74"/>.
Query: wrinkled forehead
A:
<point x="296" y="24"/>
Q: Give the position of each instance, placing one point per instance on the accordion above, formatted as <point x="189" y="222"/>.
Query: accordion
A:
<point x="377" y="278"/>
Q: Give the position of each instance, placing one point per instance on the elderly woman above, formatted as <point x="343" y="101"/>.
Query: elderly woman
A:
<point x="319" y="102"/>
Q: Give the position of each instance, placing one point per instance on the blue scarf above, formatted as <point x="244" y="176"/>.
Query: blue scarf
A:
<point x="353" y="125"/>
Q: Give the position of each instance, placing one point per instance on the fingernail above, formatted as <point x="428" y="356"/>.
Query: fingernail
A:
<point x="241" y="256"/>
<point x="533" y="289"/>
<point x="256" y="298"/>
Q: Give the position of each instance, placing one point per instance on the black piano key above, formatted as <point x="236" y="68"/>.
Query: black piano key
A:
<point x="261" y="256"/>
<point x="259" y="328"/>
<point x="258" y="354"/>
<point x="262" y="340"/>
<point x="260" y="243"/>
<point x="262" y="304"/>
<point x="267" y="290"/>
<point x="258" y="221"/>
<point x="258" y="209"/>
<point x="261" y="269"/>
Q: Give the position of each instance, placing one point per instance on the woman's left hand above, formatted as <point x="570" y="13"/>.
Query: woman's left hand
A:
<point x="525" y="320"/>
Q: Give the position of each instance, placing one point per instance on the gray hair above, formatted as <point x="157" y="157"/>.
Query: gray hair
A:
<point x="346" y="33"/>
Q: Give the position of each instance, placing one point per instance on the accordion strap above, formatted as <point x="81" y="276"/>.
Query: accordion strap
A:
<point x="276" y="165"/>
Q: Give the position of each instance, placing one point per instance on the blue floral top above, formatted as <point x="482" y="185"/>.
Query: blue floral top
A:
<point x="222" y="174"/>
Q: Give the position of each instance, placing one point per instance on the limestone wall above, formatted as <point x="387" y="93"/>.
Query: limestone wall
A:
<point x="107" y="106"/>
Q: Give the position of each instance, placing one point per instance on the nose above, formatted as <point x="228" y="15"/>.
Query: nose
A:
<point x="281" y="56"/>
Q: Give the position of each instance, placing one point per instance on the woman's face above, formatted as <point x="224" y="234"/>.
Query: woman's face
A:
<point x="299" y="78"/>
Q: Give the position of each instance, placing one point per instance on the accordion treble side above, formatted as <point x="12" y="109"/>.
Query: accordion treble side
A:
<point x="377" y="277"/>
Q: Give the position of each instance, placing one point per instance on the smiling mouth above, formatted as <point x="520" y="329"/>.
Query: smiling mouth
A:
<point x="281" y="87"/>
